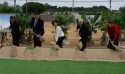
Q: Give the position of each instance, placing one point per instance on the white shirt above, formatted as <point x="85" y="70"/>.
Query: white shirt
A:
<point x="58" y="32"/>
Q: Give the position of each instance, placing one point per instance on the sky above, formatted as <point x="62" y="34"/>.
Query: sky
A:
<point x="116" y="4"/>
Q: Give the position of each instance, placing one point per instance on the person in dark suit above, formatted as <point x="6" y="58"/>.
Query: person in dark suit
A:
<point x="15" y="31"/>
<point x="37" y="25"/>
<point x="83" y="33"/>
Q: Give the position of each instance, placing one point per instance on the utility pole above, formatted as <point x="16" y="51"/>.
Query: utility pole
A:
<point x="110" y="3"/>
<point x="72" y="6"/>
<point x="15" y="5"/>
<point x="26" y="6"/>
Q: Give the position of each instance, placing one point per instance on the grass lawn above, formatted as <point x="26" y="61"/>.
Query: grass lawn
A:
<point x="9" y="66"/>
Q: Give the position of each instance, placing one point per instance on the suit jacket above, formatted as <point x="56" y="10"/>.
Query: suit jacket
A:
<point x="15" y="28"/>
<point x="84" y="31"/>
<point x="39" y="29"/>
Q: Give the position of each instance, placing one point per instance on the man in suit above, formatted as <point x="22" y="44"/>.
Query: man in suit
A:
<point x="37" y="25"/>
<point x="83" y="33"/>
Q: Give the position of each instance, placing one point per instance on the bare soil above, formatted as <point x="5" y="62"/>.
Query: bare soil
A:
<point x="72" y="37"/>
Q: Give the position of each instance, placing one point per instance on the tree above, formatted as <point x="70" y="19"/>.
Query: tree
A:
<point x="103" y="25"/>
<point x="117" y="18"/>
<point x="34" y="7"/>
<point x="24" y="22"/>
<point x="122" y="12"/>
<point x="64" y="21"/>
<point x="5" y="8"/>
<point x="19" y="9"/>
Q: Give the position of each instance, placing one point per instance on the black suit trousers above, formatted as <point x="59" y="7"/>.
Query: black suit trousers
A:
<point x="116" y="42"/>
<point x="60" y="41"/>
<point x="15" y="39"/>
<point x="37" y="42"/>
<point x="84" y="43"/>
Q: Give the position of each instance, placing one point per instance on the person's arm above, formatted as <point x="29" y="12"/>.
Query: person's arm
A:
<point x="10" y="25"/>
<point x="115" y="36"/>
<point x="77" y="27"/>
<point x="41" y="27"/>
<point x="57" y="32"/>
<point x="81" y="32"/>
<point x="116" y="29"/>
<point x="16" y="28"/>
<point x="108" y="31"/>
<point x="87" y="31"/>
<point x="32" y="22"/>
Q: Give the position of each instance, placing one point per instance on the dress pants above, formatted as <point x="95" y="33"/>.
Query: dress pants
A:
<point x="84" y="43"/>
<point x="37" y="42"/>
<point x="60" y="41"/>
<point x="115" y="42"/>
<point x="15" y="39"/>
